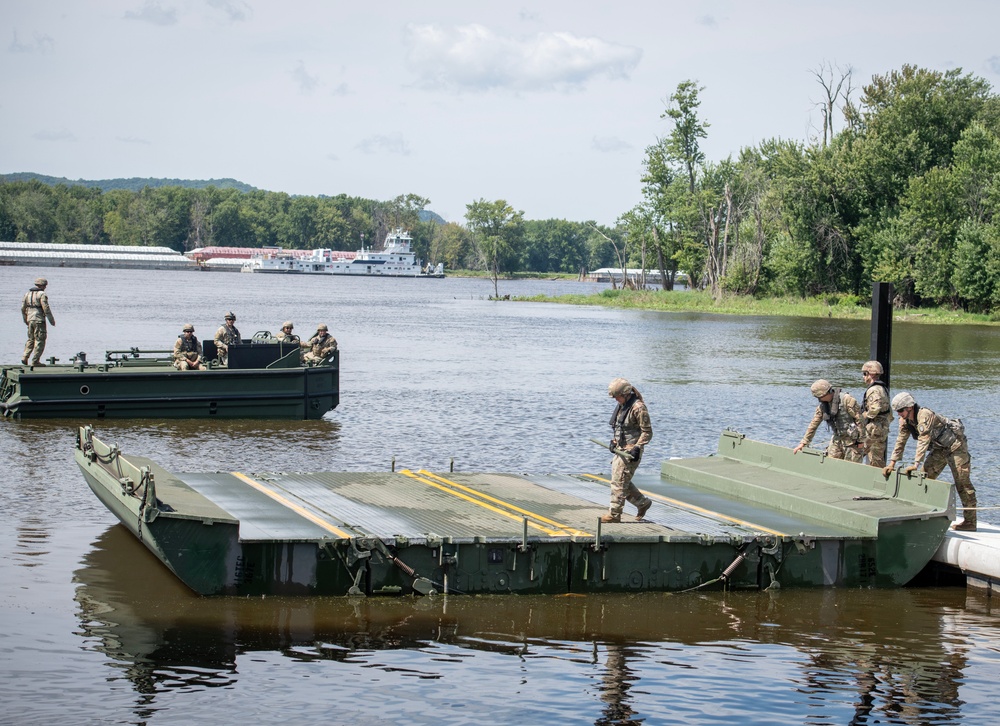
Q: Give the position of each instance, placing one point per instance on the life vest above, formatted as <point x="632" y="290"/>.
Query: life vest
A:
<point x="624" y="435"/>
<point x="864" y="401"/>
<point x="188" y="346"/>
<point x="837" y="418"/>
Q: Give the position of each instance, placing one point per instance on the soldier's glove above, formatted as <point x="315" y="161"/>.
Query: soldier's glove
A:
<point x="635" y="453"/>
<point x="612" y="446"/>
<point x="910" y="469"/>
<point x="887" y="471"/>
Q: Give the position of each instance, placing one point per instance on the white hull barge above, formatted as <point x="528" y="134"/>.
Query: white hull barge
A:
<point x="395" y="259"/>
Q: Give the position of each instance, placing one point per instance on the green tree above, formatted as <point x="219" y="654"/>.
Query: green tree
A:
<point x="497" y="233"/>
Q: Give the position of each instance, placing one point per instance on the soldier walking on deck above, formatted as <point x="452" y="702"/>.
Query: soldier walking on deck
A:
<point x="876" y="414"/>
<point x="632" y="430"/>
<point x="35" y="309"/>
<point x="942" y="440"/>
<point x="226" y="336"/>
<point x="843" y="415"/>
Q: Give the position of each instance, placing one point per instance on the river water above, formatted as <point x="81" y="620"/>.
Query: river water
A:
<point x="433" y="374"/>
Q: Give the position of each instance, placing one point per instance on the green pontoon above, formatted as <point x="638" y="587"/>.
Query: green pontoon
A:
<point x="262" y="379"/>
<point x="751" y="516"/>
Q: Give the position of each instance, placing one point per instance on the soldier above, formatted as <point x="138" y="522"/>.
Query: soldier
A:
<point x="876" y="414"/>
<point x="320" y="346"/>
<point x="187" y="351"/>
<point x="632" y="430"/>
<point x="942" y="440"/>
<point x="35" y="309"/>
<point x="843" y="415"/>
<point x="226" y="336"/>
<point x="286" y="335"/>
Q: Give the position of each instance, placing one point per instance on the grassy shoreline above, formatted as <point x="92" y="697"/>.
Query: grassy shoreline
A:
<point x="825" y="306"/>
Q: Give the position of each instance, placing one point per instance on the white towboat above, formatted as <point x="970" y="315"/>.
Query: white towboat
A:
<point x="395" y="259"/>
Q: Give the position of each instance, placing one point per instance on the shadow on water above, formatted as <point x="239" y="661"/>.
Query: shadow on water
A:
<point x="900" y="653"/>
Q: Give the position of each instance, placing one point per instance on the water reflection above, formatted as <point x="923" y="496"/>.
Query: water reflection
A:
<point x="831" y="657"/>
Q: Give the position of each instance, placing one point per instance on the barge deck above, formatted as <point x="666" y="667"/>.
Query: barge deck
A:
<point x="750" y="516"/>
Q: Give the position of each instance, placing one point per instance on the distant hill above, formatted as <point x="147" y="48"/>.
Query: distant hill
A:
<point x="134" y="184"/>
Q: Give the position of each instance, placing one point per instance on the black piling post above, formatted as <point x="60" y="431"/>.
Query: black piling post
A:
<point x="881" y="343"/>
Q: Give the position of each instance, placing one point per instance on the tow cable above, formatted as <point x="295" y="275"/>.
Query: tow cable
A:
<point x="741" y="555"/>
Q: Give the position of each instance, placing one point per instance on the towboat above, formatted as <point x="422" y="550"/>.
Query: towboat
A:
<point x="262" y="378"/>
<point x="395" y="259"/>
<point x="750" y="516"/>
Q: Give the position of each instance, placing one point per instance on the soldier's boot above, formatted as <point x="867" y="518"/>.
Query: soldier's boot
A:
<point x="611" y="518"/>
<point x="643" y="508"/>
<point x="969" y="503"/>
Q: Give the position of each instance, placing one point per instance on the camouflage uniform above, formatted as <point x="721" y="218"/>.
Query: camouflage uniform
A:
<point x="876" y="416"/>
<point x="226" y="336"/>
<point x="34" y="310"/>
<point x="320" y="346"/>
<point x="844" y="420"/>
<point x="632" y="430"/>
<point x="187" y="353"/>
<point x="942" y="441"/>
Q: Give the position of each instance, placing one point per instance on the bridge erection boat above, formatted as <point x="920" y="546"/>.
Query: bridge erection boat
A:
<point x="750" y="516"/>
<point x="261" y="379"/>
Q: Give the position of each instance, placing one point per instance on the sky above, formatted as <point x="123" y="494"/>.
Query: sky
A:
<point x="547" y="105"/>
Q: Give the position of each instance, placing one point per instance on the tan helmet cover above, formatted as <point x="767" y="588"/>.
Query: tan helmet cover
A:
<point x="902" y="400"/>
<point x="41" y="282"/>
<point x="873" y="366"/>
<point x="820" y="388"/>
<point x="619" y="387"/>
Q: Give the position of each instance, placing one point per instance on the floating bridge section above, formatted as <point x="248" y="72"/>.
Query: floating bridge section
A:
<point x="751" y="516"/>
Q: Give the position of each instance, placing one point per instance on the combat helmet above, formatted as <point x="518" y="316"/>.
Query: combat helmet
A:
<point x="619" y="387"/>
<point x="902" y="400"/>
<point x="187" y="327"/>
<point x="873" y="366"/>
<point x="41" y="282"/>
<point x="820" y="388"/>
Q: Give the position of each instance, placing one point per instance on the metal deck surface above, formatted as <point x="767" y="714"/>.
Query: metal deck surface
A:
<point x="420" y="505"/>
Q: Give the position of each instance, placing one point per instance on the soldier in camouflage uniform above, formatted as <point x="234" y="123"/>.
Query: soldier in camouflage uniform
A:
<point x="226" y="336"/>
<point x="942" y="441"/>
<point x="34" y="310"/>
<point x="285" y="335"/>
<point x="843" y="415"/>
<point x="187" y="351"/>
<point x="876" y="414"/>
<point x="320" y="346"/>
<point x="632" y="431"/>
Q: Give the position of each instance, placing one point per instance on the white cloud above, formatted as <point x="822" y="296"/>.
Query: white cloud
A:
<point x="41" y="44"/>
<point x="610" y="145"/>
<point x="473" y="57"/>
<point x="235" y="9"/>
<point x="153" y="12"/>
<point x="60" y="134"/>
<point x="993" y="63"/>
<point x="307" y="83"/>
<point x="389" y="144"/>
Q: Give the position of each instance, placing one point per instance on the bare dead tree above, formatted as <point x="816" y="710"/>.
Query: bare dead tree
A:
<point x="832" y="79"/>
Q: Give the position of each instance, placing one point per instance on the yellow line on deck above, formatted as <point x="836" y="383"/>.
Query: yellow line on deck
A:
<point x="298" y="509"/>
<point x="460" y="495"/>
<point x="502" y="503"/>
<point x="696" y="508"/>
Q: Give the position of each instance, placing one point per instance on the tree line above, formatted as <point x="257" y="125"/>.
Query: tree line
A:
<point x="900" y="184"/>
<point x="907" y="191"/>
<point x="184" y="219"/>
